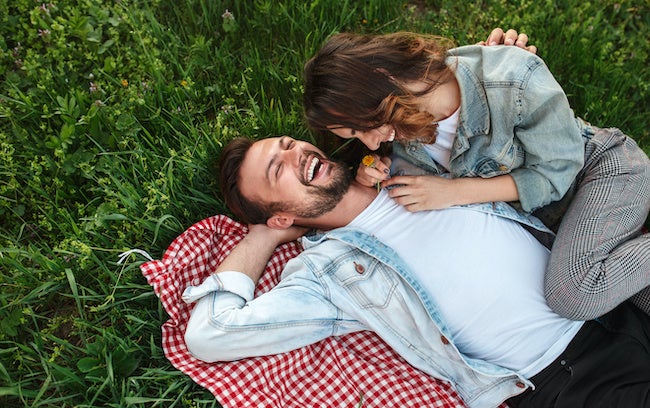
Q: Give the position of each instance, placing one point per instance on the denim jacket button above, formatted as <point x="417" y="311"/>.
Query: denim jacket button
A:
<point x="444" y="340"/>
<point x="359" y="268"/>
<point x="519" y="384"/>
<point x="503" y="167"/>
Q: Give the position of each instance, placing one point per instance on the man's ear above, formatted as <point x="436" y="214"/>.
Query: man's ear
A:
<point x="280" y="221"/>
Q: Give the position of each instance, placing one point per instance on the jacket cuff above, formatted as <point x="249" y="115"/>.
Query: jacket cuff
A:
<point x="533" y="189"/>
<point x="227" y="281"/>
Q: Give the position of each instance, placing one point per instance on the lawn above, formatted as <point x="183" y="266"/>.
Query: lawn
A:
<point x="112" y="115"/>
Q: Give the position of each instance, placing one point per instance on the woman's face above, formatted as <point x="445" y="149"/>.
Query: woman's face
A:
<point x="371" y="138"/>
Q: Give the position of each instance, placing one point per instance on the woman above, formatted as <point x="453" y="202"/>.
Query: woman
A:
<point x="498" y="127"/>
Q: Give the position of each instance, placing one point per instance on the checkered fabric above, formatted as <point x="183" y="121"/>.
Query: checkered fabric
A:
<point x="356" y="370"/>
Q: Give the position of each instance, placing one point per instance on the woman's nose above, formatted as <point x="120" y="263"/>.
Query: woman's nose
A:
<point x="369" y="139"/>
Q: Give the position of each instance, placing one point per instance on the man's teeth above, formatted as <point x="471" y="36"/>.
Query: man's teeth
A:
<point x="391" y="137"/>
<point x="312" y="167"/>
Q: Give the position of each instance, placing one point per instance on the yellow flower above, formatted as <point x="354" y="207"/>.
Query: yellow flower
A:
<point x="184" y="83"/>
<point x="368" y="161"/>
<point x="125" y="83"/>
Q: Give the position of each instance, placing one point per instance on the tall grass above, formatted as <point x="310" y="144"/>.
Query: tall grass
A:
<point x="112" y="115"/>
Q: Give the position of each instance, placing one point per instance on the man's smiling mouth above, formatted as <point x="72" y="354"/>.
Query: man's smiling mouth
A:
<point x="313" y="168"/>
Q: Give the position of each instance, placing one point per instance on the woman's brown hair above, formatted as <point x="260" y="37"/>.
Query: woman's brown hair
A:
<point x="358" y="81"/>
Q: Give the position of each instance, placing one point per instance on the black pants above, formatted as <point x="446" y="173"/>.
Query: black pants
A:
<point x="606" y="365"/>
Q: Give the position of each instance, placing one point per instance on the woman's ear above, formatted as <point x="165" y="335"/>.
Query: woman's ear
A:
<point x="280" y="221"/>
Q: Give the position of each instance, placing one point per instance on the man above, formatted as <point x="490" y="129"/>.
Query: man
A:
<point x="459" y="295"/>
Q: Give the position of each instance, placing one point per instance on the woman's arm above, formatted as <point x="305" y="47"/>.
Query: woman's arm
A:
<point x="419" y="193"/>
<point x="552" y="141"/>
<point x="541" y="123"/>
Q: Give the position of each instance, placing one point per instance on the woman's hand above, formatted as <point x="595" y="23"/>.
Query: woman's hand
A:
<point x="510" y="37"/>
<point x="379" y="171"/>
<point x="419" y="193"/>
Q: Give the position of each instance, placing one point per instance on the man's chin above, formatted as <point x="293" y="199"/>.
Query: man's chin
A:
<point x="324" y="199"/>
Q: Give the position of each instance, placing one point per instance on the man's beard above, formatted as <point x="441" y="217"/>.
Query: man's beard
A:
<point x="323" y="199"/>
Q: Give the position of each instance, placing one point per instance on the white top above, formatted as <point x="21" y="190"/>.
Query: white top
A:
<point x="440" y="151"/>
<point x="489" y="291"/>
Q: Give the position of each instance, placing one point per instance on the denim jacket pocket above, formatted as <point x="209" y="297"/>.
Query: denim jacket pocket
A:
<point x="369" y="282"/>
<point x="511" y="158"/>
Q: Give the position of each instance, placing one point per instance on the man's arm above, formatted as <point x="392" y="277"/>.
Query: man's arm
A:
<point x="255" y="249"/>
<point x="227" y="323"/>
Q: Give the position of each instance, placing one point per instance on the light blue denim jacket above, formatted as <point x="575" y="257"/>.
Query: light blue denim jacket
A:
<point x="344" y="281"/>
<point x="514" y="119"/>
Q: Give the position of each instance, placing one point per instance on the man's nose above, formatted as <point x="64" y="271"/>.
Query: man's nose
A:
<point x="292" y="155"/>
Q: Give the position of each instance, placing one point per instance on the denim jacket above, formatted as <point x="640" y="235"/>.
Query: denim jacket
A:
<point x="514" y="119"/>
<point x="344" y="281"/>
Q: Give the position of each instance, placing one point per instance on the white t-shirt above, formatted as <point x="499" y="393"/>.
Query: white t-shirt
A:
<point x="486" y="275"/>
<point x="440" y="151"/>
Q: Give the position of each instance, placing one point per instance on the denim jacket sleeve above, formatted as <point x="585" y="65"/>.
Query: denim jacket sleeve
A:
<point x="554" y="148"/>
<point x="515" y="119"/>
<point x="227" y="323"/>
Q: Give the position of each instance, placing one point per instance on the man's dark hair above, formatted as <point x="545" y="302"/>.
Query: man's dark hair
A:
<point x="232" y="157"/>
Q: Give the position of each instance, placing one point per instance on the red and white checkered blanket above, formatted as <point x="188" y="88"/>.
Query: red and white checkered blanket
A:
<point x="355" y="370"/>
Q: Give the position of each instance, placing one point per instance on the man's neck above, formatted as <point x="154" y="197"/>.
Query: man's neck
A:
<point x="357" y="199"/>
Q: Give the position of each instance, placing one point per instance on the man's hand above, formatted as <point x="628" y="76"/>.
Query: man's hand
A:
<point x="275" y="236"/>
<point x="510" y="37"/>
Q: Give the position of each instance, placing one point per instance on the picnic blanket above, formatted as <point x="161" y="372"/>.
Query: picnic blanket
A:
<point x="355" y="370"/>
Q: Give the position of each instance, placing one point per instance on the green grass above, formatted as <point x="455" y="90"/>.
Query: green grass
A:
<point x="112" y="115"/>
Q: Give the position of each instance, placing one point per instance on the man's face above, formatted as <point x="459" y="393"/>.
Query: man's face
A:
<point x="294" y="174"/>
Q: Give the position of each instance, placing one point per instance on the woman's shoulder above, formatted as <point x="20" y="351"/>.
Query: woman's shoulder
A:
<point x="491" y="50"/>
<point x="505" y="53"/>
<point x="498" y="62"/>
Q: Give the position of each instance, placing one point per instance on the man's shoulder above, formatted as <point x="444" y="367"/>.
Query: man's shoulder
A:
<point x="344" y="237"/>
<point x="326" y="249"/>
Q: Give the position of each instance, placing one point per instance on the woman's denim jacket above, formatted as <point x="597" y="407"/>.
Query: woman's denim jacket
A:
<point x="344" y="281"/>
<point x="514" y="119"/>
